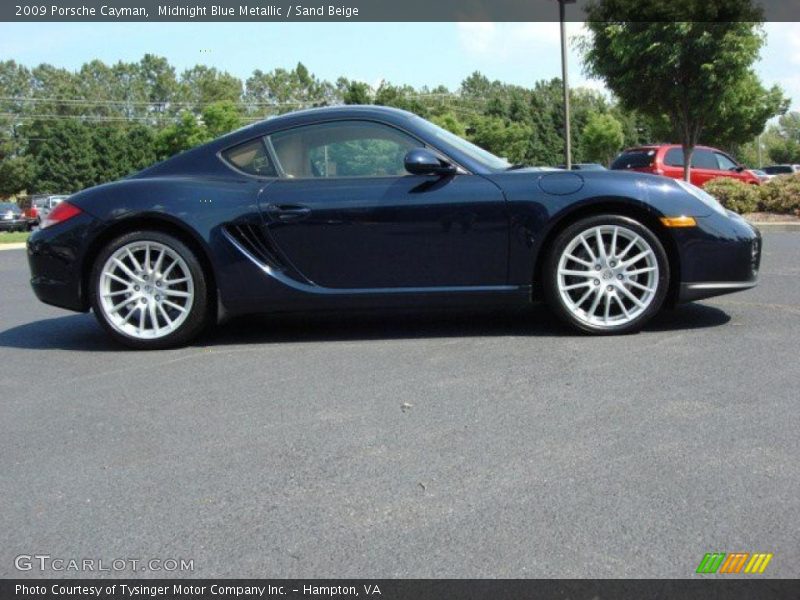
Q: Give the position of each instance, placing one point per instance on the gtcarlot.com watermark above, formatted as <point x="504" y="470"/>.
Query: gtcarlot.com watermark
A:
<point x="45" y="562"/>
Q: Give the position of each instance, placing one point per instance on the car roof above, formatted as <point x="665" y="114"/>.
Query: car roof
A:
<point x="657" y="146"/>
<point x="312" y="115"/>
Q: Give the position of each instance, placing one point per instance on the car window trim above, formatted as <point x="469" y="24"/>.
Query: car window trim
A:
<point x="221" y="156"/>
<point x="265" y="139"/>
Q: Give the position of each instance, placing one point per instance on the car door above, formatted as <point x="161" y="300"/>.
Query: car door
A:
<point x="730" y="167"/>
<point x="705" y="167"/>
<point x="346" y="215"/>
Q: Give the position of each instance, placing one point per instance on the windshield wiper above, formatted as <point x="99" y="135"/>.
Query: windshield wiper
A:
<point x="516" y="167"/>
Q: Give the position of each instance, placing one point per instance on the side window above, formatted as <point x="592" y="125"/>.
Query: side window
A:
<point x="725" y="163"/>
<point x="251" y="157"/>
<point x="674" y="157"/>
<point x="704" y="159"/>
<point x="343" y="149"/>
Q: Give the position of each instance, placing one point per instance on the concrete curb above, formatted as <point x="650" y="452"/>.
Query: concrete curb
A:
<point x="782" y="225"/>
<point x="14" y="246"/>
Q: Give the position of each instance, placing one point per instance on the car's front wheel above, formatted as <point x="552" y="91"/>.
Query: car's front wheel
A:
<point x="149" y="290"/>
<point x="606" y="275"/>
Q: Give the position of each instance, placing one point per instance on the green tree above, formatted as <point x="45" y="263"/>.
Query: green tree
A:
<point x="697" y="71"/>
<point x="220" y="118"/>
<point x="602" y="138"/>
<point x="186" y="133"/>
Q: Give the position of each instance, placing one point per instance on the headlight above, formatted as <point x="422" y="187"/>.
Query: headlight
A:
<point x="703" y="196"/>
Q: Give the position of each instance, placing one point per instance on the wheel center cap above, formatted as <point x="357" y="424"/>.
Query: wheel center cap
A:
<point x="607" y="274"/>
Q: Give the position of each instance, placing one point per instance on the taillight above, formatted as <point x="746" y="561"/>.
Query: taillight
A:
<point x="62" y="212"/>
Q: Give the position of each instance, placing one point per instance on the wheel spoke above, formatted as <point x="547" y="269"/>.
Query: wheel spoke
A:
<point x="572" y="273"/>
<point x="177" y="293"/>
<point x="607" y="307"/>
<point x="117" y="293"/>
<point x="175" y="306"/>
<point x="588" y="248"/>
<point x="640" y="286"/>
<point x="116" y="307"/>
<point x="136" y="264"/>
<point x="583" y="298"/>
<point x="637" y="258"/>
<point x="598" y="236"/>
<point x="622" y="306"/>
<point x="633" y="298"/>
<point x="117" y="278"/>
<point x="576" y="286"/>
<point x="141" y="318"/>
<point x="614" y="243"/>
<point x="627" y="249"/>
<point x="640" y="271"/>
<point x="159" y="261"/>
<point x="125" y="269"/>
<point x="165" y="315"/>
<point x="596" y="301"/>
<point x="580" y="261"/>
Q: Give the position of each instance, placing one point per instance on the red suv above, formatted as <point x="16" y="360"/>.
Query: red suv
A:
<point x="707" y="163"/>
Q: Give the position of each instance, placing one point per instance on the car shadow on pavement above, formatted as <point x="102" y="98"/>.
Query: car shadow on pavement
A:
<point x="82" y="333"/>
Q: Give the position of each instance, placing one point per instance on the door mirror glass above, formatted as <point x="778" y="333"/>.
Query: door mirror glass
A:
<point x="421" y="161"/>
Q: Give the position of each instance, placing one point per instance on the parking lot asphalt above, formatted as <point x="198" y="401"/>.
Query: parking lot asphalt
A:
<point x="459" y="444"/>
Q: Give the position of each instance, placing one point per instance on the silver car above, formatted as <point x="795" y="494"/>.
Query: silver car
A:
<point x="45" y="203"/>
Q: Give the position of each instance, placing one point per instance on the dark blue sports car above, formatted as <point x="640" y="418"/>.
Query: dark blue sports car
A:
<point x="364" y="206"/>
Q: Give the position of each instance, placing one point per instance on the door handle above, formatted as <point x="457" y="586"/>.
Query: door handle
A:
<point x="288" y="212"/>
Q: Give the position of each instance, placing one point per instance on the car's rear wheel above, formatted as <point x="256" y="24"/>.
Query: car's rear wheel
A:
<point x="606" y="275"/>
<point x="149" y="290"/>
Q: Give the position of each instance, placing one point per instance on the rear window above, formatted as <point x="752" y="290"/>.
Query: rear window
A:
<point x="252" y="158"/>
<point x="778" y="170"/>
<point x="634" y="159"/>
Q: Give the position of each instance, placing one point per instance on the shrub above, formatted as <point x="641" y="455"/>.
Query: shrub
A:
<point x="781" y="195"/>
<point x="734" y="195"/>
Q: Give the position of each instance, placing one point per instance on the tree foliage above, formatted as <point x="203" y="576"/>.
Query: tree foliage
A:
<point x="696" y="72"/>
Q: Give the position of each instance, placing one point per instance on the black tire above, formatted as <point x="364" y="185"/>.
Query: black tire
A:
<point x="578" y="319"/>
<point x="198" y="314"/>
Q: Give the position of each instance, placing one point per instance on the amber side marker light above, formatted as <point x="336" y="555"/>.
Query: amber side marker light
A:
<point x="678" y="221"/>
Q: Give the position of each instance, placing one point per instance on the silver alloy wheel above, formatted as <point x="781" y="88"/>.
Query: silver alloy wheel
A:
<point x="607" y="276"/>
<point x="146" y="290"/>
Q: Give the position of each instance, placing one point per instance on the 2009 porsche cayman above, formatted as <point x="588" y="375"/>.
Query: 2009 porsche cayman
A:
<point x="353" y="207"/>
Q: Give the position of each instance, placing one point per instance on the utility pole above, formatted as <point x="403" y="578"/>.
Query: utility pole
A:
<point x="565" y="81"/>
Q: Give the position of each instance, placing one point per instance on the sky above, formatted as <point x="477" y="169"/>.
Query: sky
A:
<point x="400" y="53"/>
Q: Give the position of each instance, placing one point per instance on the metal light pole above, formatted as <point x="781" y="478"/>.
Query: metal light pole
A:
<point x="565" y="81"/>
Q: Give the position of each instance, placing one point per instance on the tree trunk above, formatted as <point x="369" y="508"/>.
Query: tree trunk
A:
<point x="688" y="151"/>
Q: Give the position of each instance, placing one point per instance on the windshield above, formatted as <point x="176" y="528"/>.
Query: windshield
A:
<point x="635" y="159"/>
<point x="476" y="153"/>
<point x="778" y="169"/>
<point x="6" y="206"/>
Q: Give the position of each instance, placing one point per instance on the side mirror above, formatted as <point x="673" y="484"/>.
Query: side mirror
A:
<point x="738" y="168"/>
<point x="421" y="161"/>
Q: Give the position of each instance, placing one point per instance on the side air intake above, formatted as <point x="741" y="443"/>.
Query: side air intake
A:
<point x="252" y="239"/>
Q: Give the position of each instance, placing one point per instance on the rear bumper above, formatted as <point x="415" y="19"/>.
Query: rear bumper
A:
<point x="55" y="256"/>
<point x="13" y="225"/>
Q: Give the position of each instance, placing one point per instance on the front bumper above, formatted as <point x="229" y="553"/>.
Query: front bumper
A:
<point x="721" y="255"/>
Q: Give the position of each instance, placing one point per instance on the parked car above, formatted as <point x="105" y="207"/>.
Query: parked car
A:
<point x="12" y="218"/>
<point x="584" y="167"/>
<point x="776" y="170"/>
<point x="667" y="159"/>
<point x="366" y="207"/>
<point x="762" y="175"/>
<point x="41" y="206"/>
